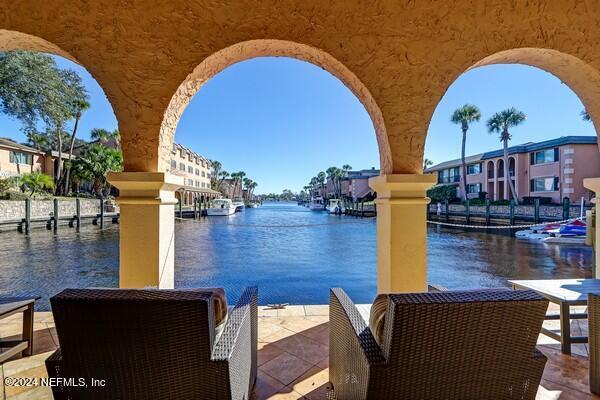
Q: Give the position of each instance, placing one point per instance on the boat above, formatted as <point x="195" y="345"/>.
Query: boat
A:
<point x="571" y="233"/>
<point x="239" y="205"/>
<point x="334" y="206"/>
<point x="317" y="204"/>
<point x="222" y="207"/>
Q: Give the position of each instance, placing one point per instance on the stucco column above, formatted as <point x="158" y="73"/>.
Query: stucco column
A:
<point x="147" y="228"/>
<point x="594" y="185"/>
<point x="401" y="232"/>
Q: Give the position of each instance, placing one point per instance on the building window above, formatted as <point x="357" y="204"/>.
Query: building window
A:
<point x="203" y="174"/>
<point x="173" y="165"/>
<point x="190" y="182"/>
<point x="191" y="170"/>
<point x="544" y="156"/>
<point x="197" y="171"/>
<point x="474" y="188"/>
<point x="543" y="184"/>
<point x="203" y="184"/>
<point x="181" y="166"/>
<point x="474" y="169"/>
<point x="449" y="175"/>
<point x="21" y="158"/>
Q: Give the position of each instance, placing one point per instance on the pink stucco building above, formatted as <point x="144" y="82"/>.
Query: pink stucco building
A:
<point x="553" y="169"/>
<point x="354" y="186"/>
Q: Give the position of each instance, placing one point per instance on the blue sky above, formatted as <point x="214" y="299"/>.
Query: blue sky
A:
<point x="282" y="121"/>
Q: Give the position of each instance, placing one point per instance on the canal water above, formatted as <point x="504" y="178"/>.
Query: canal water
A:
<point x="292" y="254"/>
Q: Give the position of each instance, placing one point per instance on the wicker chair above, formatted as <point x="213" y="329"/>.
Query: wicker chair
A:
<point x="445" y="345"/>
<point x="153" y="344"/>
<point x="594" y="341"/>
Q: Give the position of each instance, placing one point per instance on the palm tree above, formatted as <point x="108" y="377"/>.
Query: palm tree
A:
<point x="427" y="163"/>
<point x="215" y="173"/>
<point x="332" y="175"/>
<point x="37" y="140"/>
<point x="499" y="123"/>
<point x="321" y="176"/>
<point x="223" y="175"/>
<point x="464" y="116"/>
<point x="36" y="181"/>
<point x="586" y="116"/>
<point x="102" y="135"/>
<point x="94" y="163"/>
<point x="79" y="107"/>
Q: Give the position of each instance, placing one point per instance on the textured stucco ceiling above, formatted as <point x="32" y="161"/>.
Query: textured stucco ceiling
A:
<point x="397" y="57"/>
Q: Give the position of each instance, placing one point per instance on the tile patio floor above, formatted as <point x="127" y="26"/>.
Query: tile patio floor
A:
<point x="293" y="358"/>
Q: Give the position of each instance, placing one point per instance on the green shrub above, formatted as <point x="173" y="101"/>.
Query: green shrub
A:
<point x="442" y="193"/>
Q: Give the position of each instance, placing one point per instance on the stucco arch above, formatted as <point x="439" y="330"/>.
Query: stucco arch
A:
<point x="581" y="77"/>
<point x="13" y="40"/>
<point x="246" y="50"/>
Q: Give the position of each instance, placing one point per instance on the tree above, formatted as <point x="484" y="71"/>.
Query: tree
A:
<point x="500" y="123"/>
<point x="103" y="135"/>
<point x="37" y="181"/>
<point x="333" y="174"/>
<point x="427" y="163"/>
<point x="223" y="175"/>
<point x="464" y="116"/>
<point x="215" y="173"/>
<point x="36" y="92"/>
<point x="586" y="116"/>
<point x="321" y="177"/>
<point x="79" y="107"/>
<point x="441" y="193"/>
<point x="38" y="141"/>
<point x="94" y="163"/>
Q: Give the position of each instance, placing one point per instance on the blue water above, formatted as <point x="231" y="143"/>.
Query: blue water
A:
<point x="292" y="254"/>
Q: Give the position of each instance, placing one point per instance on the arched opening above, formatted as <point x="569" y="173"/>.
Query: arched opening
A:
<point x="59" y="136"/>
<point x="280" y="253"/>
<point x="491" y="192"/>
<point x="548" y="153"/>
<point x="268" y="48"/>
<point x="511" y="173"/>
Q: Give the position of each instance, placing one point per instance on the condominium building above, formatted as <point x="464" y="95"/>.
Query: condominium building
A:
<point x="552" y="170"/>
<point x="195" y="170"/>
<point x="18" y="159"/>
<point x="354" y="185"/>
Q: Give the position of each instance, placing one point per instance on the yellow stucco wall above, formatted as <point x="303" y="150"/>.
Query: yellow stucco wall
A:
<point x="397" y="57"/>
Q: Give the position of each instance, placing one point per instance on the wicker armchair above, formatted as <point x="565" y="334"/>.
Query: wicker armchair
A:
<point x="152" y="344"/>
<point x="594" y="341"/>
<point x="445" y="345"/>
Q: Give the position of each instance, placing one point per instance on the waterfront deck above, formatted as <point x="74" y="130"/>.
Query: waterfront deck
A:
<point x="293" y="357"/>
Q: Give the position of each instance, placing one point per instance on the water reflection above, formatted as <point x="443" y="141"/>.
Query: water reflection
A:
<point x="289" y="264"/>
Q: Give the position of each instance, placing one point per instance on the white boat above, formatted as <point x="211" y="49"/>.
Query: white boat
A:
<point x="239" y="205"/>
<point x="317" y="204"/>
<point x="221" y="207"/>
<point x="254" y="205"/>
<point x="334" y="206"/>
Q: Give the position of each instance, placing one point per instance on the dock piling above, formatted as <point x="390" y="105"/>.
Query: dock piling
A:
<point x="512" y="212"/>
<point x="55" y="215"/>
<point x="27" y="216"/>
<point x="101" y="212"/>
<point x="77" y="213"/>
